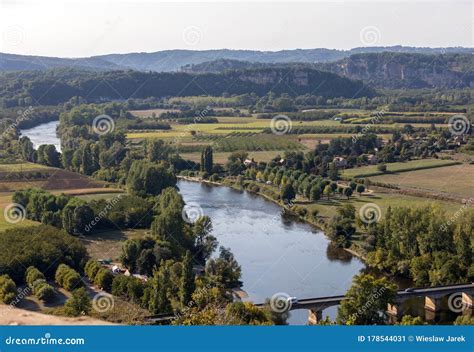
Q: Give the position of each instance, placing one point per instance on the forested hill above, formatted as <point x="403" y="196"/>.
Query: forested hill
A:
<point x="173" y="60"/>
<point x="57" y="86"/>
<point x="383" y="70"/>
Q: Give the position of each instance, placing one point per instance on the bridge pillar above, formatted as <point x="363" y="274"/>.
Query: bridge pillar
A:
<point x="467" y="300"/>
<point x="432" y="304"/>
<point x="314" y="316"/>
<point x="394" y="312"/>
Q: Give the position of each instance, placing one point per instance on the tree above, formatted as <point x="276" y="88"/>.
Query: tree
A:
<point x="287" y="193"/>
<point x="145" y="178"/>
<point x="206" y="160"/>
<point x="78" y="304"/>
<point x="382" y="167"/>
<point x="366" y="301"/>
<point x="409" y="320"/>
<point x="26" y="147"/>
<point x="104" y="279"/>
<point x="327" y="191"/>
<point x="348" y="192"/>
<point x="225" y="271"/>
<point x="360" y="189"/>
<point x="7" y="289"/>
<point x="187" y="285"/>
<point x="159" y="284"/>
<point x="315" y="193"/>
<point x="205" y="243"/>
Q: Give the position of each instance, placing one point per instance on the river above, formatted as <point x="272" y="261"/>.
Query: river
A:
<point x="277" y="255"/>
<point x="43" y="134"/>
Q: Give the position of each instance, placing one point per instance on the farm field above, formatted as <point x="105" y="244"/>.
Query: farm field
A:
<point x="20" y="167"/>
<point x="221" y="158"/>
<point x="108" y="245"/>
<point x="328" y="208"/>
<point x="366" y="171"/>
<point x="457" y="180"/>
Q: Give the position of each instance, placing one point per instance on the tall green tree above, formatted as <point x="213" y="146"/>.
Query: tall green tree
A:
<point x="187" y="284"/>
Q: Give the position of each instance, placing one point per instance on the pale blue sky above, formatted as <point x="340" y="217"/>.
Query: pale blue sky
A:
<point x="84" y="28"/>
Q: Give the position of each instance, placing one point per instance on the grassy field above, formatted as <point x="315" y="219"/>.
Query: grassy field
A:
<point x="457" y="180"/>
<point x="5" y="201"/>
<point x="328" y="208"/>
<point x="108" y="245"/>
<point x="371" y="170"/>
<point x="221" y="158"/>
<point x="22" y="167"/>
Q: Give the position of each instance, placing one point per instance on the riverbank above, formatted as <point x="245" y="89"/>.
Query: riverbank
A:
<point x="320" y="223"/>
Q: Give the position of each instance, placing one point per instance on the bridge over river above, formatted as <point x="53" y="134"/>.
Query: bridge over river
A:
<point x="432" y="296"/>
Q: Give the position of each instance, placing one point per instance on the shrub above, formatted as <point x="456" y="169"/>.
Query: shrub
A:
<point x="129" y="288"/>
<point x="43" y="290"/>
<point x="91" y="269"/>
<point x="32" y="275"/>
<point x="104" y="279"/>
<point x="67" y="277"/>
<point x="7" y="289"/>
<point x="78" y="304"/>
<point x="214" y="178"/>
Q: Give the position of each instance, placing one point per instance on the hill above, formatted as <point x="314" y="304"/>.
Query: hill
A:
<point x="58" y="86"/>
<point x="382" y="70"/>
<point x="173" y="60"/>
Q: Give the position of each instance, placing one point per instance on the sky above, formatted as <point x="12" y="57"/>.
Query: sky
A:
<point x="85" y="28"/>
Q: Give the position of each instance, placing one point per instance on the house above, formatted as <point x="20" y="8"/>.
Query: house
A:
<point x="340" y="162"/>
<point x="371" y="158"/>
<point x="249" y="163"/>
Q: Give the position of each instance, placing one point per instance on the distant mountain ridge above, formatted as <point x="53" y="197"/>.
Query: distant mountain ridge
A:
<point x="173" y="60"/>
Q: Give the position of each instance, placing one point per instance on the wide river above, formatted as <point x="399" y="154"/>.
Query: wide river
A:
<point x="43" y="134"/>
<point x="277" y="254"/>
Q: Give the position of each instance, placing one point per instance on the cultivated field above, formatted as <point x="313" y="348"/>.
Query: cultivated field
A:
<point x="366" y="171"/>
<point x="456" y="180"/>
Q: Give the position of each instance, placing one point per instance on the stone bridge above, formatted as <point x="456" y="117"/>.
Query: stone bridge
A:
<point x="432" y="296"/>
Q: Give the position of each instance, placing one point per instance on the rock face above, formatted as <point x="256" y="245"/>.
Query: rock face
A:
<point x="399" y="70"/>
